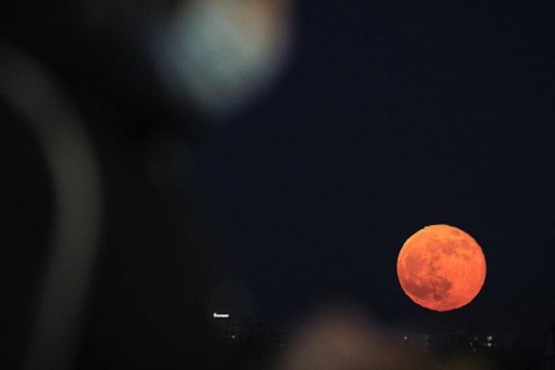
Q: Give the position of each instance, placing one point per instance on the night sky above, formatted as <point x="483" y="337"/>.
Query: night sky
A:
<point x="393" y="115"/>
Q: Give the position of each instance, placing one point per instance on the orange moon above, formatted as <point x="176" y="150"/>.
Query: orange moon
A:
<point x="441" y="268"/>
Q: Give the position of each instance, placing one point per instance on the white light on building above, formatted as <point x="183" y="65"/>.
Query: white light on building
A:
<point x="220" y="315"/>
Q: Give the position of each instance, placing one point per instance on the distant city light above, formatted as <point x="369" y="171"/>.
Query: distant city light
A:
<point x="220" y="315"/>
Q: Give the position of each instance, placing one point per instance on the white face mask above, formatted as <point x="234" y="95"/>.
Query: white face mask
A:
<point x="222" y="53"/>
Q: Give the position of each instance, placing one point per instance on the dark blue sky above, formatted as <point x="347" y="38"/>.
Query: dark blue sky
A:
<point x="394" y="115"/>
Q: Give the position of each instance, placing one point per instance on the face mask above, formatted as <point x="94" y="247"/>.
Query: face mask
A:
<point x="220" y="54"/>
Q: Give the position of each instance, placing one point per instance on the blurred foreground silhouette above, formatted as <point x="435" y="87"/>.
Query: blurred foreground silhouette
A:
<point x="103" y="261"/>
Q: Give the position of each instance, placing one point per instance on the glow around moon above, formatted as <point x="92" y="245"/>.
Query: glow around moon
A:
<point x="441" y="268"/>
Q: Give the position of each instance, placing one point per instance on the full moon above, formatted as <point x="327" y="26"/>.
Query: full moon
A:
<point x="441" y="268"/>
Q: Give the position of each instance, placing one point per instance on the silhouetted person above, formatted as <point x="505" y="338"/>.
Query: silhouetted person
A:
<point x="102" y="261"/>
